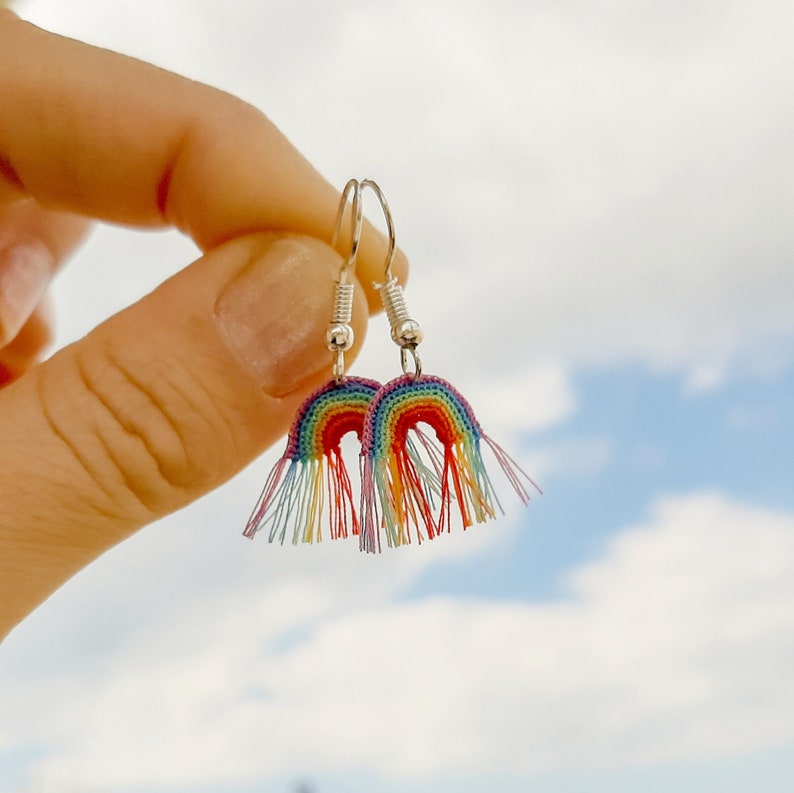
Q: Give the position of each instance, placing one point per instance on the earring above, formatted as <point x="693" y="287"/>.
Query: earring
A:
<point x="411" y="479"/>
<point x="311" y="478"/>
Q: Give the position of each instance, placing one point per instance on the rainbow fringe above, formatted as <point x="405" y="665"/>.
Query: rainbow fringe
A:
<point x="410" y="480"/>
<point x="311" y="479"/>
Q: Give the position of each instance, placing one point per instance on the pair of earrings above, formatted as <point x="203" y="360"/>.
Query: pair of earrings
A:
<point x="410" y="479"/>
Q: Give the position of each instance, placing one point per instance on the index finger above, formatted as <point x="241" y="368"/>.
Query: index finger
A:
<point x="90" y="131"/>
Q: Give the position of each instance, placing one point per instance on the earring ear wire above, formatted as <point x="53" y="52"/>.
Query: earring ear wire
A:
<point x="310" y="485"/>
<point x="411" y="478"/>
<point x="340" y="337"/>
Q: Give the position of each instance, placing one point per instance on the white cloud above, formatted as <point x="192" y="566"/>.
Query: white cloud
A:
<point x="675" y="644"/>
<point x="704" y="379"/>
<point x="524" y="400"/>
<point x="595" y="184"/>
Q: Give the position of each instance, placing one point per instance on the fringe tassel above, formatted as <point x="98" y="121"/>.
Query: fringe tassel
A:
<point x="296" y="494"/>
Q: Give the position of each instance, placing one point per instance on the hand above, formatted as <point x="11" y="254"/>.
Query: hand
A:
<point x="174" y="395"/>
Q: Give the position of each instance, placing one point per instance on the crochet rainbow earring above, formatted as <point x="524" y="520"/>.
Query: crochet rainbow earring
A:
<point x="413" y="482"/>
<point x="310" y="485"/>
<point x="422" y="466"/>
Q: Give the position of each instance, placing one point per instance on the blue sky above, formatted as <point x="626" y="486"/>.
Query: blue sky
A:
<point x="604" y="192"/>
<point x="652" y="439"/>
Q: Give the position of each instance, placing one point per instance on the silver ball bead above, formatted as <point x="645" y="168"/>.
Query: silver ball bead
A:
<point x="408" y="332"/>
<point x="339" y="337"/>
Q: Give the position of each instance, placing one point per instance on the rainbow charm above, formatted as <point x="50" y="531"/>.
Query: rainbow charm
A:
<point x="312" y="472"/>
<point x="409" y="479"/>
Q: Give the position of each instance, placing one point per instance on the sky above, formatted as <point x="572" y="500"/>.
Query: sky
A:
<point x="596" y="198"/>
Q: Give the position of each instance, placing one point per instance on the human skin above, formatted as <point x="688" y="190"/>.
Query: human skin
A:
<point x="171" y="397"/>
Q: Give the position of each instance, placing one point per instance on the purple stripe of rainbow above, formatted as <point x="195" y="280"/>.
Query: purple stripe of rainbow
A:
<point x="405" y="401"/>
<point x="328" y="414"/>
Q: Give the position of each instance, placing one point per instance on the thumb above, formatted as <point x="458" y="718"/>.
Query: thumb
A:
<point x="157" y="406"/>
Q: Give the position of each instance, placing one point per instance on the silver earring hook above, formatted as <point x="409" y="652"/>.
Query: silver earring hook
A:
<point x="339" y="337"/>
<point x="406" y="332"/>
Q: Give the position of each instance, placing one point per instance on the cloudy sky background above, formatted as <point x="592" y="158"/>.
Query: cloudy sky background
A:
<point x="601" y="191"/>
